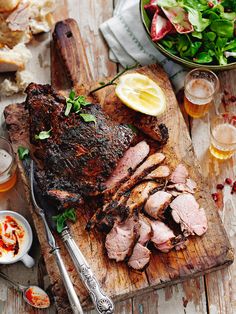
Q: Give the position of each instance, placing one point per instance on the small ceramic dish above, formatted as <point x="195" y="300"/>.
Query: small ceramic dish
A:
<point x="16" y="239"/>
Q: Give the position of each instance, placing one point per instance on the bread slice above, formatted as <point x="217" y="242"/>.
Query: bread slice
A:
<point x="8" y="5"/>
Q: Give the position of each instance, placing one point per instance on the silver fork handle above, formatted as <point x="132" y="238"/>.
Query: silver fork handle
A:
<point x="103" y="303"/>
<point x="73" y="298"/>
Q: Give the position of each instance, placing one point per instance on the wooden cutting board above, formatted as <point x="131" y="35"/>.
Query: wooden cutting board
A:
<point x="203" y="254"/>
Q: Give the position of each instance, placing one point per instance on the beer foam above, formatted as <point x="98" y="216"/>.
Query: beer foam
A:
<point x="225" y="133"/>
<point x="199" y="91"/>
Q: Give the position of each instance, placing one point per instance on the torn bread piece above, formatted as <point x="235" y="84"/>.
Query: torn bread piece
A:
<point x="15" y="59"/>
<point x="8" y="5"/>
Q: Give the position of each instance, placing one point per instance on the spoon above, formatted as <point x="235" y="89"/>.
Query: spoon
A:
<point x="33" y="295"/>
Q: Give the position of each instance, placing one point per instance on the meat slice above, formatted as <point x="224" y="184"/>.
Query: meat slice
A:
<point x="79" y="156"/>
<point x="124" y="207"/>
<point x="149" y="125"/>
<point x="162" y="237"/>
<point x="145" y="230"/>
<point x="186" y="212"/>
<point x="131" y="159"/>
<point x="157" y="203"/>
<point x="121" y="239"/>
<point x="140" y="194"/>
<point x="140" y="257"/>
<point x="179" y="175"/>
<point x="148" y="165"/>
<point x="158" y="173"/>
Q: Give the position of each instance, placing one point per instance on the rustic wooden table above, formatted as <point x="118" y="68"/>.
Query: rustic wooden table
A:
<point x="212" y="293"/>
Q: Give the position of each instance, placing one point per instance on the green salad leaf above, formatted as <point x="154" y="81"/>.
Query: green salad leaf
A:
<point x="223" y="28"/>
<point x="213" y="37"/>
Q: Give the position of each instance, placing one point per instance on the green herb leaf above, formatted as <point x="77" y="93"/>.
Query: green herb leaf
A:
<point x="102" y="83"/>
<point x="72" y="94"/>
<point x="43" y="135"/>
<point x="74" y="103"/>
<point x="61" y="219"/>
<point x="68" y="108"/>
<point x="23" y="152"/>
<point x="88" y="117"/>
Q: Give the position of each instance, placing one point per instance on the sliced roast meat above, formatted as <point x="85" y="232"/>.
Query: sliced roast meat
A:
<point x="162" y="237"/>
<point x="131" y="159"/>
<point x="140" y="193"/>
<point x="140" y="257"/>
<point x="121" y="239"/>
<point x="158" y="173"/>
<point x="148" y="165"/>
<point x="149" y="125"/>
<point x="124" y="207"/>
<point x="179" y="175"/>
<point x="186" y="212"/>
<point x="145" y="230"/>
<point x="157" y="203"/>
<point x="191" y="185"/>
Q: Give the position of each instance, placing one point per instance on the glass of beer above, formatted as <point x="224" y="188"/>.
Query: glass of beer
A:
<point x="200" y="88"/>
<point x="223" y="136"/>
<point x="8" y="166"/>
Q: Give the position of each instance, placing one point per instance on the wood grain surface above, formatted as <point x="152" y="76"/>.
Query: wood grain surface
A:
<point x="203" y="254"/>
<point x="213" y="293"/>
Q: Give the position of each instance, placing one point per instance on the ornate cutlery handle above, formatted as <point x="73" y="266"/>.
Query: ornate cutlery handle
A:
<point x="103" y="304"/>
<point x="73" y="298"/>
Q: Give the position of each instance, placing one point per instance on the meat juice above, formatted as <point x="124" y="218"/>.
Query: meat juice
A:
<point x="223" y="141"/>
<point x="8" y="174"/>
<point x="198" y="97"/>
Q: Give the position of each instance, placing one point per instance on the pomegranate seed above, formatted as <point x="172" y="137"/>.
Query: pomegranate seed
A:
<point x="210" y="4"/>
<point x="220" y="186"/>
<point x="228" y="181"/>
<point x="233" y="98"/>
<point x="215" y="196"/>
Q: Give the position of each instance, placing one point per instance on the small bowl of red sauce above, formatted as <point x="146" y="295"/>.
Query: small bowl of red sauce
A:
<point x="15" y="238"/>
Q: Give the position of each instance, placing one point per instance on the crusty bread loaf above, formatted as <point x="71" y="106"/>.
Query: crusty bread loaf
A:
<point x="8" y="5"/>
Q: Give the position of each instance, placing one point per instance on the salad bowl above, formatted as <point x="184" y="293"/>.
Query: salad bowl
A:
<point x="147" y="21"/>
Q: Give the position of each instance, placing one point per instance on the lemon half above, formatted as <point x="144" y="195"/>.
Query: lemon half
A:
<point x="142" y="94"/>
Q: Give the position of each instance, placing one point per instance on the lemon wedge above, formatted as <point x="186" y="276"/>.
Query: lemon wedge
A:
<point x="142" y="94"/>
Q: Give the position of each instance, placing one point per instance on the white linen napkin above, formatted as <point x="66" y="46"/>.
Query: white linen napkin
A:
<point x="129" y="43"/>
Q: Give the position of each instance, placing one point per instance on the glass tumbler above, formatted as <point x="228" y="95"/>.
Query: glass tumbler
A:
<point x="8" y="174"/>
<point x="223" y="136"/>
<point x="200" y="88"/>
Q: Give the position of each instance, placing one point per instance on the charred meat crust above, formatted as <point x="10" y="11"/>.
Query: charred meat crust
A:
<point x="78" y="156"/>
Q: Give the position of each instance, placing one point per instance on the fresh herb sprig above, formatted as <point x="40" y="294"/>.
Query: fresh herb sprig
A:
<point x="113" y="81"/>
<point x="75" y="103"/>
<point x="23" y="152"/>
<point x="61" y="219"/>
